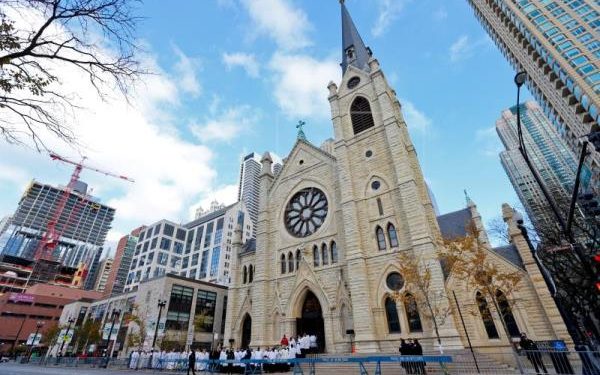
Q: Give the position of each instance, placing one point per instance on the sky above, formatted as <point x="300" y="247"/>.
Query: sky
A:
<point x="235" y="76"/>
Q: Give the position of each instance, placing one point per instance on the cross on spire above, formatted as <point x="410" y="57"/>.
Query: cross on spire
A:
<point x="301" y="134"/>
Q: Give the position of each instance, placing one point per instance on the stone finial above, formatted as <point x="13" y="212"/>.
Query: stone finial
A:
<point x="507" y="212"/>
<point x="373" y="64"/>
<point x="237" y="235"/>
<point x="332" y="87"/>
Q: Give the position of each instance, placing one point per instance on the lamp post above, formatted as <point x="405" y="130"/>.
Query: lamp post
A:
<point x="38" y="325"/>
<point x="114" y="315"/>
<point x="161" y="304"/>
<point x="70" y="321"/>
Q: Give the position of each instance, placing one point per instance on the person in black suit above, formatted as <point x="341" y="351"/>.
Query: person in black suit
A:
<point x="192" y="363"/>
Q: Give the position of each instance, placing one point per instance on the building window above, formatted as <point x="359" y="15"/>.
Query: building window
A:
<point x="165" y="244"/>
<point x="391" y="313"/>
<point x="204" y="315"/>
<point x="380" y="238"/>
<point x="214" y="261"/>
<point x="180" y="305"/>
<point x="392" y="236"/>
<point x="412" y="313"/>
<point x="316" y="256"/>
<point x="379" y="206"/>
<point x="204" y="264"/>
<point x="168" y="230"/>
<point x="283" y="263"/>
<point x="507" y="315"/>
<point x="298" y="255"/>
<point x="208" y="234"/>
<point x="486" y="316"/>
<point x="290" y="262"/>
<point x="245" y="275"/>
<point x="334" y="253"/>
<point x="250" y="273"/>
<point x="361" y="116"/>
<point x="324" y="255"/>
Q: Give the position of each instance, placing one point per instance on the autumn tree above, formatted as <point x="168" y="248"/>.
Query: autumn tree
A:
<point x="87" y="334"/>
<point x="43" y="41"/>
<point x="137" y="322"/>
<point x="430" y="302"/>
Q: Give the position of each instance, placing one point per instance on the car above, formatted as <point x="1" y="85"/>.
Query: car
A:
<point x="4" y="359"/>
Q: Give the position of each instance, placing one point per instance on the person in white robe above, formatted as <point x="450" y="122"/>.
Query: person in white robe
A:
<point x="134" y="360"/>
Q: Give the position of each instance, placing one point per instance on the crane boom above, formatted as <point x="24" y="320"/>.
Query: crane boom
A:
<point x="65" y="160"/>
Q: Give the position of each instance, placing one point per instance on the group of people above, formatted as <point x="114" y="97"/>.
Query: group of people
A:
<point x="412" y="347"/>
<point x="303" y="344"/>
<point x="172" y="360"/>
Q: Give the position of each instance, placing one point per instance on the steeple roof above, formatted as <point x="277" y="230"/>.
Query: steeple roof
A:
<point x="354" y="51"/>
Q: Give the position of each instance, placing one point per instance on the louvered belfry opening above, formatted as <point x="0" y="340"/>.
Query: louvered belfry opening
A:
<point x="360" y="113"/>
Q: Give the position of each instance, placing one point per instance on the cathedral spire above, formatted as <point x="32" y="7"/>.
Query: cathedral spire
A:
<point x="354" y="51"/>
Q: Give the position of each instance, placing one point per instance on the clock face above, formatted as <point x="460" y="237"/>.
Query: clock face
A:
<point x="306" y="212"/>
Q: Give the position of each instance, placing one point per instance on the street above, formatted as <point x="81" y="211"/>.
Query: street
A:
<point x="12" y="368"/>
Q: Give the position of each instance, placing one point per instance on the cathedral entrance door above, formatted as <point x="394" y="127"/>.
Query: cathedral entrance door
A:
<point x="311" y="322"/>
<point x="246" y="331"/>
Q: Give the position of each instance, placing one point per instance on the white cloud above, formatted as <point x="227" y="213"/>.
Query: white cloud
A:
<point x="464" y="47"/>
<point x="225" y="194"/>
<point x="226" y="125"/>
<point x="244" y="60"/>
<point x="280" y="21"/>
<point x="440" y="14"/>
<point x="415" y="119"/>
<point x="388" y="11"/>
<point x="301" y="84"/>
<point x="488" y="141"/>
<point x="186" y="69"/>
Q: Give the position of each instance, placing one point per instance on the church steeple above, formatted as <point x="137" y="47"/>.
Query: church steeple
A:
<point x="354" y="51"/>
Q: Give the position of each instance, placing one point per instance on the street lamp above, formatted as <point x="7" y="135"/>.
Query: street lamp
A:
<point x="161" y="304"/>
<point x="70" y="321"/>
<point x="38" y="325"/>
<point x="114" y="315"/>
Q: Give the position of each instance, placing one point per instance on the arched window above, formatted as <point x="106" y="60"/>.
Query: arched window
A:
<point x="507" y="315"/>
<point x="245" y="279"/>
<point x="283" y="264"/>
<point x="316" y="256"/>
<point x="412" y="313"/>
<point x="324" y="255"/>
<point x="391" y="313"/>
<point x="392" y="236"/>
<point x="298" y="256"/>
<point x="380" y="238"/>
<point x="334" y="253"/>
<point x="250" y="273"/>
<point x="361" y="116"/>
<point x="486" y="316"/>
<point x="290" y="262"/>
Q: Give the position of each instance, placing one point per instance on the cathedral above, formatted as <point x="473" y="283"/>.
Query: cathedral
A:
<point x="333" y="222"/>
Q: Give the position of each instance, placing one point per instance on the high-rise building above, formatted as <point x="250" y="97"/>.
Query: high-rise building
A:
<point x="104" y="270"/>
<point x="556" y="43"/>
<point x="123" y="257"/>
<point x="83" y="227"/>
<point x="4" y="222"/>
<point x="552" y="159"/>
<point x="249" y="182"/>
<point x="200" y="249"/>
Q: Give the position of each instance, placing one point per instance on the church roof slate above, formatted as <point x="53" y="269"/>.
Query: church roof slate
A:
<point x="351" y="38"/>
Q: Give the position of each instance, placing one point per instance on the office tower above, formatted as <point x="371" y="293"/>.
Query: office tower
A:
<point x="249" y="182"/>
<point x="104" y="270"/>
<point x="120" y="268"/>
<point x="556" y="44"/>
<point x="83" y="226"/>
<point x="552" y="159"/>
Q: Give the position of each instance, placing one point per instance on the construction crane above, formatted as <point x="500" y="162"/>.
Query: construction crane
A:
<point x="51" y="236"/>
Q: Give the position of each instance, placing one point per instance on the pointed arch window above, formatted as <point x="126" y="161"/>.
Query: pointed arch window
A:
<point x="486" y="316"/>
<point x="283" y="264"/>
<point x="391" y="313"/>
<point x="412" y="313"/>
<point x="290" y="262"/>
<point x="250" y="273"/>
<point x="392" y="236"/>
<point x="334" y="252"/>
<point x="316" y="256"/>
<point x="380" y="238"/>
<point x="324" y="255"/>
<point x="245" y="277"/>
<point x="507" y="315"/>
<point x="298" y="255"/>
<point x="361" y="116"/>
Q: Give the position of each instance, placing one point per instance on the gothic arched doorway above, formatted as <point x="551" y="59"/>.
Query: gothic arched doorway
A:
<point x="246" y="331"/>
<point x="311" y="320"/>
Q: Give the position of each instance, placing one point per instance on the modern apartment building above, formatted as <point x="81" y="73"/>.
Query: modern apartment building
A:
<point x="104" y="270"/>
<point x="200" y="249"/>
<point x="248" y="182"/>
<point x="553" y="160"/>
<point x="556" y="43"/>
<point x="83" y="226"/>
<point x="123" y="257"/>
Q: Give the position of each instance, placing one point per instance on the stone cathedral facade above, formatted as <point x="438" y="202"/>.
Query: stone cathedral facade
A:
<point x="332" y="223"/>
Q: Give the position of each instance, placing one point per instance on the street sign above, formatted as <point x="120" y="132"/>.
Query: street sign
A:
<point x="64" y="336"/>
<point x="114" y="332"/>
<point x="31" y="341"/>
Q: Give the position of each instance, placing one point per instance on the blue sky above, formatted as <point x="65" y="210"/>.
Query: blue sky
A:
<point x="233" y="76"/>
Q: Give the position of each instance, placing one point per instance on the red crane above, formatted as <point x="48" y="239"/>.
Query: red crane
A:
<point x="51" y="236"/>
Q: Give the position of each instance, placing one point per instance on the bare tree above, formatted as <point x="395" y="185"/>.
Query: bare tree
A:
<point x="66" y="35"/>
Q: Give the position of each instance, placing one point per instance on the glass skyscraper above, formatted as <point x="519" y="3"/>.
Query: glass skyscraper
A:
<point x="556" y="43"/>
<point x="552" y="159"/>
